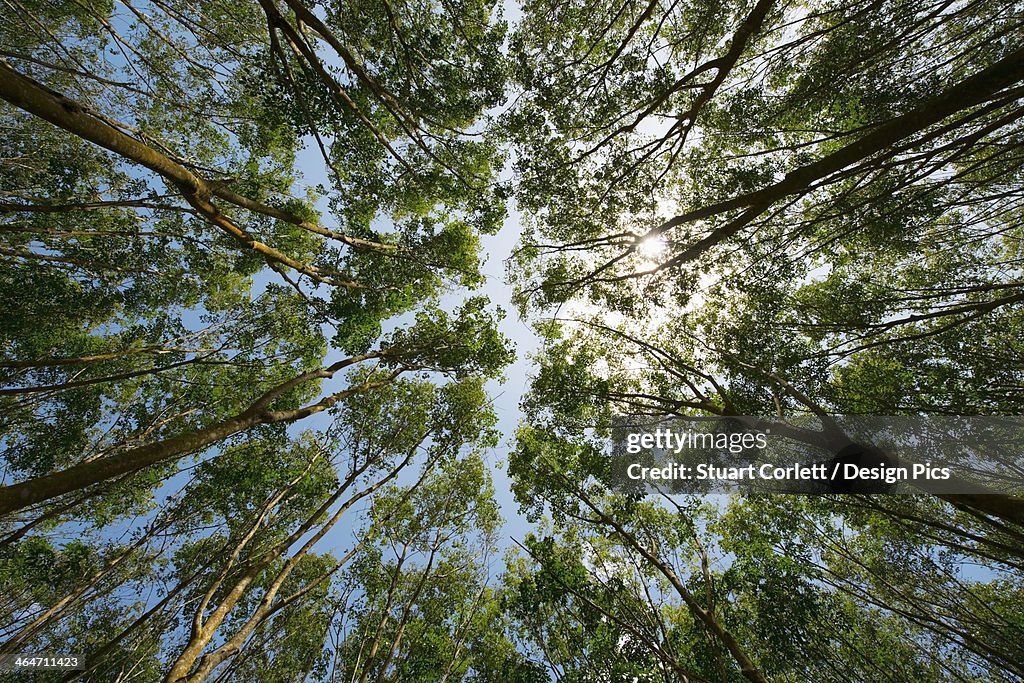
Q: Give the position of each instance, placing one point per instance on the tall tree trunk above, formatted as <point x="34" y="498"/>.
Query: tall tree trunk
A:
<point x="970" y="92"/>
<point x="19" y="496"/>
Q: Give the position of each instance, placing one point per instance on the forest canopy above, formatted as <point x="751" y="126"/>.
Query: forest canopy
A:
<point x="250" y="426"/>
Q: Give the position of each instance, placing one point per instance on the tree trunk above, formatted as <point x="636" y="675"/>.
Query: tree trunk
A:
<point x="19" y="496"/>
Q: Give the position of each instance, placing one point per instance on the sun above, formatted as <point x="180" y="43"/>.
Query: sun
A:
<point x="650" y="248"/>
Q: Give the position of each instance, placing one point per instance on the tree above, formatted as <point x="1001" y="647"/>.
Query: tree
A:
<point x="757" y="588"/>
<point x="765" y="209"/>
<point x="418" y="600"/>
<point x="246" y="561"/>
<point x="829" y="253"/>
<point x="213" y="112"/>
<point x="178" y="301"/>
<point x="386" y="435"/>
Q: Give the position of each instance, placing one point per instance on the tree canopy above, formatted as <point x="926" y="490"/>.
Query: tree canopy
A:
<point x="247" y="426"/>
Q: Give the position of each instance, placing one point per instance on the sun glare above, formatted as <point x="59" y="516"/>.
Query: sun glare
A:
<point x="652" y="247"/>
